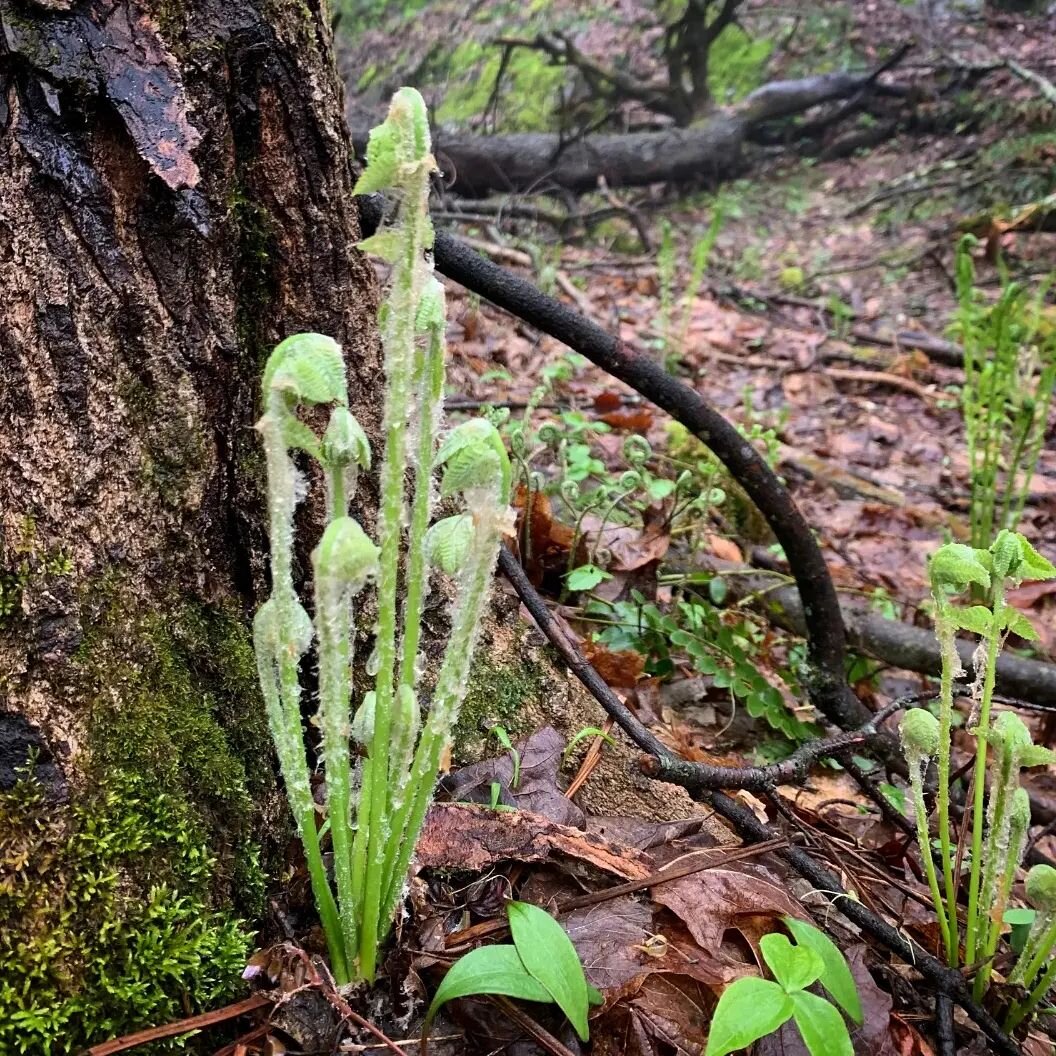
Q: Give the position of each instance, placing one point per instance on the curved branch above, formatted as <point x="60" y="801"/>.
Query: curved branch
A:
<point x="826" y="682"/>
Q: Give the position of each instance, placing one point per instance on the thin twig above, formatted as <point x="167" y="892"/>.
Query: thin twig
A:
<point x="184" y="1026"/>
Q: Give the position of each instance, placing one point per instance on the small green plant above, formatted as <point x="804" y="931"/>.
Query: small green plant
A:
<point x="397" y="755"/>
<point x="582" y="735"/>
<point x="1000" y="818"/>
<point x="541" y="965"/>
<point x="502" y="736"/>
<point x="1009" y="377"/>
<point x="751" y="1008"/>
<point x="671" y="339"/>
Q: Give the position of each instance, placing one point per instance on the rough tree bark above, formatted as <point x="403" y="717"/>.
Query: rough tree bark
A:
<point x="175" y="197"/>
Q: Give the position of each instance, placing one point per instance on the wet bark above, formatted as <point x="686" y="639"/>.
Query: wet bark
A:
<point x="175" y="197"/>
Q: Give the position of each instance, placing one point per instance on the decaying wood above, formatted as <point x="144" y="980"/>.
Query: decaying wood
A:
<point x="712" y="149"/>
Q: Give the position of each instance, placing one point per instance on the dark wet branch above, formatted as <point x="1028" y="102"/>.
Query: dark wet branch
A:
<point x="826" y="640"/>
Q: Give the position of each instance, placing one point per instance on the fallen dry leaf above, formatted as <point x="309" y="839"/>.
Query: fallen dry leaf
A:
<point x="621" y="668"/>
<point x="712" y="902"/>
<point x="471" y="838"/>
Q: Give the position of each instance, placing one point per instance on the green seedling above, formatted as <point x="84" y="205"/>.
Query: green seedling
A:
<point x="499" y="732"/>
<point x="542" y="965"/>
<point x="751" y="1008"/>
<point x="375" y="808"/>
<point x="583" y="734"/>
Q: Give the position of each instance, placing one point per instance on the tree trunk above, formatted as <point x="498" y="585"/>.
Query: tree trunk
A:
<point x="175" y="197"/>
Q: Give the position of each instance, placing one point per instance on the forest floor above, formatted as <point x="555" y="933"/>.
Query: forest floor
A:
<point x="810" y="258"/>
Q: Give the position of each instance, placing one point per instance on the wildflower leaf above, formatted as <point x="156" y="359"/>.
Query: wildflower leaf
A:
<point x="447" y="542"/>
<point x="794" y="967"/>
<point x="836" y="974"/>
<point x="586" y="577"/>
<point x="488" y="970"/>
<point x="820" y="1025"/>
<point x="1017" y="623"/>
<point x="1034" y="566"/>
<point x="748" y="1010"/>
<point x="472" y="466"/>
<point x="548" y="953"/>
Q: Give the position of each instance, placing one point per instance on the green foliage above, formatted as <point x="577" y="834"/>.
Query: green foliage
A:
<point x="751" y="1008"/>
<point x="541" y="965"/>
<point x="375" y="812"/>
<point x="1000" y="807"/>
<point x="715" y="644"/>
<point x="529" y="87"/>
<point x="1009" y="378"/>
<point x="83" y="955"/>
<point x="737" y="64"/>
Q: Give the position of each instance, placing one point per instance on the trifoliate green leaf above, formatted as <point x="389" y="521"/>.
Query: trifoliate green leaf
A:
<point x="447" y="543"/>
<point x="748" y="1010"/>
<point x="956" y="565"/>
<point x="836" y="976"/>
<point x="794" y="967"/>
<point x="309" y="367"/>
<point x="344" y="442"/>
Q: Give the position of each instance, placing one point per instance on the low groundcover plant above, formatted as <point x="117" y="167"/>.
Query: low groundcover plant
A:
<point x="375" y="806"/>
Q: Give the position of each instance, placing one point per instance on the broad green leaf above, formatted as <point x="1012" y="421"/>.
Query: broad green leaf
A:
<point x="308" y="366"/>
<point x="821" y="1026"/>
<point x="978" y="619"/>
<point x="1034" y="566"/>
<point x="794" y="967"/>
<point x="836" y="975"/>
<point x="488" y="970"/>
<point x="548" y="954"/>
<point x="586" y="577"/>
<point x="473" y="466"/>
<point x="1017" y="623"/>
<point x="957" y="565"/>
<point x="448" y="541"/>
<point x="748" y="1010"/>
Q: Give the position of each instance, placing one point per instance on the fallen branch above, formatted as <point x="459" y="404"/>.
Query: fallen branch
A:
<point x="899" y="644"/>
<point x="826" y="640"/>
<point x="538" y="161"/>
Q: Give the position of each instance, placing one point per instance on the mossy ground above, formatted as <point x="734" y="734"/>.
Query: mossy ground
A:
<point x="127" y="907"/>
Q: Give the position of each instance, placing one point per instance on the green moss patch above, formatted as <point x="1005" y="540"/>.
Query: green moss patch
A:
<point x="108" y="918"/>
<point x="497" y="695"/>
